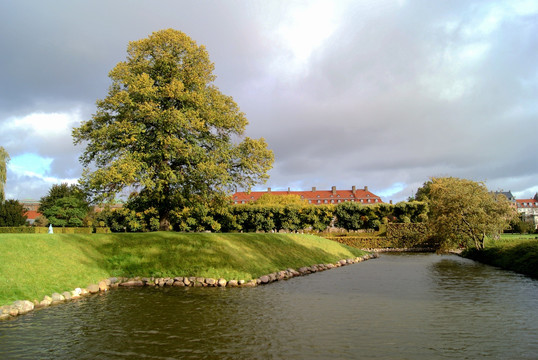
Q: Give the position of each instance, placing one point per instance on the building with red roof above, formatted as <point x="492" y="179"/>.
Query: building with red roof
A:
<point x="528" y="209"/>
<point x="314" y="196"/>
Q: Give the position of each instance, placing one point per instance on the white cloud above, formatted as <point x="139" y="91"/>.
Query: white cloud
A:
<point x="44" y="124"/>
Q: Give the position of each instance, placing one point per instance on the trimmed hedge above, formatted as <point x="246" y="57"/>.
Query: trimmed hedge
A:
<point x="362" y="242"/>
<point x="57" y="230"/>
<point x="398" y="236"/>
<point x="23" y="230"/>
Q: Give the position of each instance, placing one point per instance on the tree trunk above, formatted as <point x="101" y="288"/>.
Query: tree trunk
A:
<point x="164" y="222"/>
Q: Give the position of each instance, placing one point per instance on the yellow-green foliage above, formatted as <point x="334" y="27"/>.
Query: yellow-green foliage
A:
<point x="34" y="265"/>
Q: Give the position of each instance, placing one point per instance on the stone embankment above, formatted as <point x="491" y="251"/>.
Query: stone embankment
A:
<point x="21" y="307"/>
<point x="411" y="249"/>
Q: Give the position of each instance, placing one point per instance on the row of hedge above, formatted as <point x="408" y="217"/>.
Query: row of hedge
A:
<point x="267" y="218"/>
<point x="56" y="230"/>
<point x="399" y="235"/>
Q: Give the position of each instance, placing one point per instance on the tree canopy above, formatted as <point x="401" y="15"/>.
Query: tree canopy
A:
<point x="167" y="132"/>
<point x="12" y="213"/>
<point x="64" y="205"/>
<point x="4" y="159"/>
<point x="464" y="211"/>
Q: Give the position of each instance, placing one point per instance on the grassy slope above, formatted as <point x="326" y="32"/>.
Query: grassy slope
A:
<point x="34" y="265"/>
<point x="511" y="252"/>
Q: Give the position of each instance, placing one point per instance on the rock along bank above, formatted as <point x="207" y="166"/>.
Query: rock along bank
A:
<point x="21" y="307"/>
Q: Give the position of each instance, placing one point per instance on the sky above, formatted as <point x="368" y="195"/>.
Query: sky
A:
<point x="384" y="94"/>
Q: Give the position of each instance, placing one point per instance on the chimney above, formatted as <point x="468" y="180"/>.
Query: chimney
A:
<point x="334" y="190"/>
<point x="268" y="190"/>
<point x="313" y="189"/>
<point x="366" y="188"/>
<point x="288" y="190"/>
<point x="353" y="189"/>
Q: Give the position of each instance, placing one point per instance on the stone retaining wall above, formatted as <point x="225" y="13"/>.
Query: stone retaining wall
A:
<point x="21" y="307"/>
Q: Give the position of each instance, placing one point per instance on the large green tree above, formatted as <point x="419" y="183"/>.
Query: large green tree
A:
<point x="4" y="159"/>
<point x="464" y="212"/>
<point x="167" y="132"/>
<point x="64" y="205"/>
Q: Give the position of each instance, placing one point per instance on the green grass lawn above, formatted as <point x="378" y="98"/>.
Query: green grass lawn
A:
<point x="34" y="265"/>
<point x="512" y="252"/>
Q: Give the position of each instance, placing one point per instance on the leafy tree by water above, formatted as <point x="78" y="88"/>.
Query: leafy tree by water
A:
<point x="167" y="132"/>
<point x="4" y="159"/>
<point x="464" y="212"/>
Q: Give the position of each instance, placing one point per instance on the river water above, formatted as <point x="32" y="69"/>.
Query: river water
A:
<point x="400" y="306"/>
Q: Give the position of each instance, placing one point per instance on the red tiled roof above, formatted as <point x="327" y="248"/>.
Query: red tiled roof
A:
<point x="527" y="203"/>
<point x="32" y="215"/>
<point x="322" y="195"/>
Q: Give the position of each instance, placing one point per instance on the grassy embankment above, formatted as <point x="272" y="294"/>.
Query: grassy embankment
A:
<point x="34" y="265"/>
<point x="512" y="252"/>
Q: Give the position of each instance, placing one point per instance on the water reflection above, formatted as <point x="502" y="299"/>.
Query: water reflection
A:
<point x="420" y="306"/>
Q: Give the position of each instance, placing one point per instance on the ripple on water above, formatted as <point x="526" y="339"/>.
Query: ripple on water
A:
<point x="399" y="306"/>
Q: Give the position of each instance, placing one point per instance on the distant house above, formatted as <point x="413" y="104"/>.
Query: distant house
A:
<point x="316" y="197"/>
<point x="31" y="207"/>
<point x="528" y="210"/>
<point x="507" y="194"/>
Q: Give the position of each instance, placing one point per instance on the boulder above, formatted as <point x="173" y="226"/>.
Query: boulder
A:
<point x="23" y="306"/>
<point x="251" y="283"/>
<point x="169" y="282"/>
<point x="265" y="279"/>
<point x="93" y="288"/>
<point x="133" y="283"/>
<point x="67" y="295"/>
<point x="211" y="282"/>
<point x="187" y="281"/>
<point x="45" y="303"/>
<point x="178" y="283"/>
<point x="222" y="282"/>
<point x="56" y="298"/>
<point x="103" y="286"/>
<point x="232" y="283"/>
<point x="4" y="316"/>
<point x="113" y="280"/>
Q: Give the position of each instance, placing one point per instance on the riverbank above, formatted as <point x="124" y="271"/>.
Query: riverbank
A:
<point x="35" y="265"/>
<point x="519" y="255"/>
